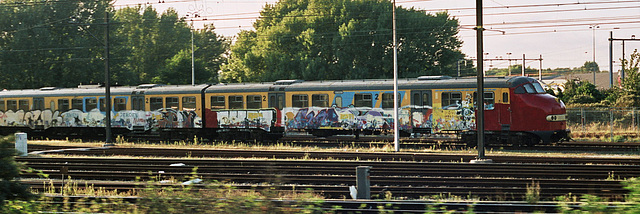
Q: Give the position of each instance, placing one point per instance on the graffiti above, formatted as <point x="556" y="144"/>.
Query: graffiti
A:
<point x="343" y="118"/>
<point x="162" y="118"/>
<point x="458" y="116"/>
<point x="246" y="119"/>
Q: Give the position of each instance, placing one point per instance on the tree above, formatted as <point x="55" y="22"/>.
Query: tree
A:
<point x="590" y="66"/>
<point x="61" y="43"/>
<point x="10" y="187"/>
<point x="342" y="39"/>
<point x="630" y="96"/>
<point x="580" y="92"/>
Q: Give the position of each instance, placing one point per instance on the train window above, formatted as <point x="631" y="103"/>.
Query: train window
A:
<point x="236" y="102"/>
<point x="320" y="100"/>
<point x="23" y="105"/>
<point x="538" y="88"/>
<point x="300" y="100"/>
<point x="254" y="101"/>
<point x="387" y="100"/>
<point x="189" y="103"/>
<point x="76" y="103"/>
<point x="362" y="100"/>
<point x="451" y="99"/>
<point x="119" y="104"/>
<point x="103" y="104"/>
<point x="489" y="100"/>
<point x="172" y="102"/>
<point x="91" y="104"/>
<point x="38" y="103"/>
<point x="505" y="97"/>
<point x="12" y="105"/>
<point x="529" y="88"/>
<point x="338" y="102"/>
<point x="217" y="102"/>
<point x="63" y="104"/>
<point x="1" y="105"/>
<point x="155" y="103"/>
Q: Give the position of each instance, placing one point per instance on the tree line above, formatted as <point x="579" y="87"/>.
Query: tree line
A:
<point x="625" y="93"/>
<point x="61" y="43"/>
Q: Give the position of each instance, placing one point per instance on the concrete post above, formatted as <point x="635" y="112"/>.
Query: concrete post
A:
<point x="363" y="182"/>
<point x="21" y="143"/>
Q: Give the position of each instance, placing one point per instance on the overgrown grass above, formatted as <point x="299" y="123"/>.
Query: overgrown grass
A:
<point x="602" y="132"/>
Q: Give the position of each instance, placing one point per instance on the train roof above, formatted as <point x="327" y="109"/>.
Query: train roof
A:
<point x="420" y="83"/>
<point x="427" y="82"/>
<point x="67" y="92"/>
<point x="241" y="87"/>
<point x="154" y="89"/>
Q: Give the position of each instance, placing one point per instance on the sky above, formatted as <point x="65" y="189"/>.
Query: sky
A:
<point x="565" y="34"/>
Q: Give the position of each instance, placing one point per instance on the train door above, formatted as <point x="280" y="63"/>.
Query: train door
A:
<point x="421" y="110"/>
<point x="276" y="100"/>
<point x="505" y="113"/>
<point x="137" y="103"/>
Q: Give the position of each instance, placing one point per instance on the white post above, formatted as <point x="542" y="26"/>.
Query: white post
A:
<point x="21" y="143"/>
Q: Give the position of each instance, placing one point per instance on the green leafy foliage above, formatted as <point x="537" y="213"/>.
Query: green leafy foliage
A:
<point x="10" y="187"/>
<point x="342" y="39"/>
<point x="62" y="43"/>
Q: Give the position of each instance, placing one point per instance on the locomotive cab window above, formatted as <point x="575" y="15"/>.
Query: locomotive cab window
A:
<point x="1" y="105"/>
<point x="172" y="103"/>
<point x="539" y="89"/>
<point x="76" y="103"/>
<point x="530" y="88"/>
<point x="505" y="97"/>
<point x="155" y="103"/>
<point x="254" y="101"/>
<point x="300" y="100"/>
<point x="320" y="100"/>
<point x="236" y="102"/>
<point x="451" y="99"/>
<point x="489" y="100"/>
<point x="362" y="100"/>
<point x="23" y="105"/>
<point x="12" y="105"/>
<point x="63" y="104"/>
<point x="119" y="104"/>
<point x="189" y="103"/>
<point x="217" y="102"/>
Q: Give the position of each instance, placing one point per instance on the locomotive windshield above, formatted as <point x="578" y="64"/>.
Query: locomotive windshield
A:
<point x="530" y="88"/>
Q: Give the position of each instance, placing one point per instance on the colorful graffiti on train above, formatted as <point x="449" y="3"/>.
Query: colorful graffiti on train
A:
<point x="164" y="118"/>
<point x="343" y="118"/>
<point x="246" y="118"/>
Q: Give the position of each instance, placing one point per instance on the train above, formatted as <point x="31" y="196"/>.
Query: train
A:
<point x="518" y="111"/>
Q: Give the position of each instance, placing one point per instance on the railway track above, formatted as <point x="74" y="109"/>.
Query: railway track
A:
<point x="332" y="178"/>
<point x="278" y="154"/>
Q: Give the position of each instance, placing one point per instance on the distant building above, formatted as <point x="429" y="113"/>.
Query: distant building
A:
<point x="602" y="80"/>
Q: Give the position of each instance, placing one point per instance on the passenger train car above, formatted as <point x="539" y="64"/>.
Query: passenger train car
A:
<point x="517" y="110"/>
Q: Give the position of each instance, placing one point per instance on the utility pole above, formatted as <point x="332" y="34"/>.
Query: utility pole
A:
<point x="396" y="134"/>
<point x="107" y="80"/>
<point x="611" y="39"/>
<point x="480" y="90"/>
<point x="193" y="69"/>
<point x="523" y="59"/>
